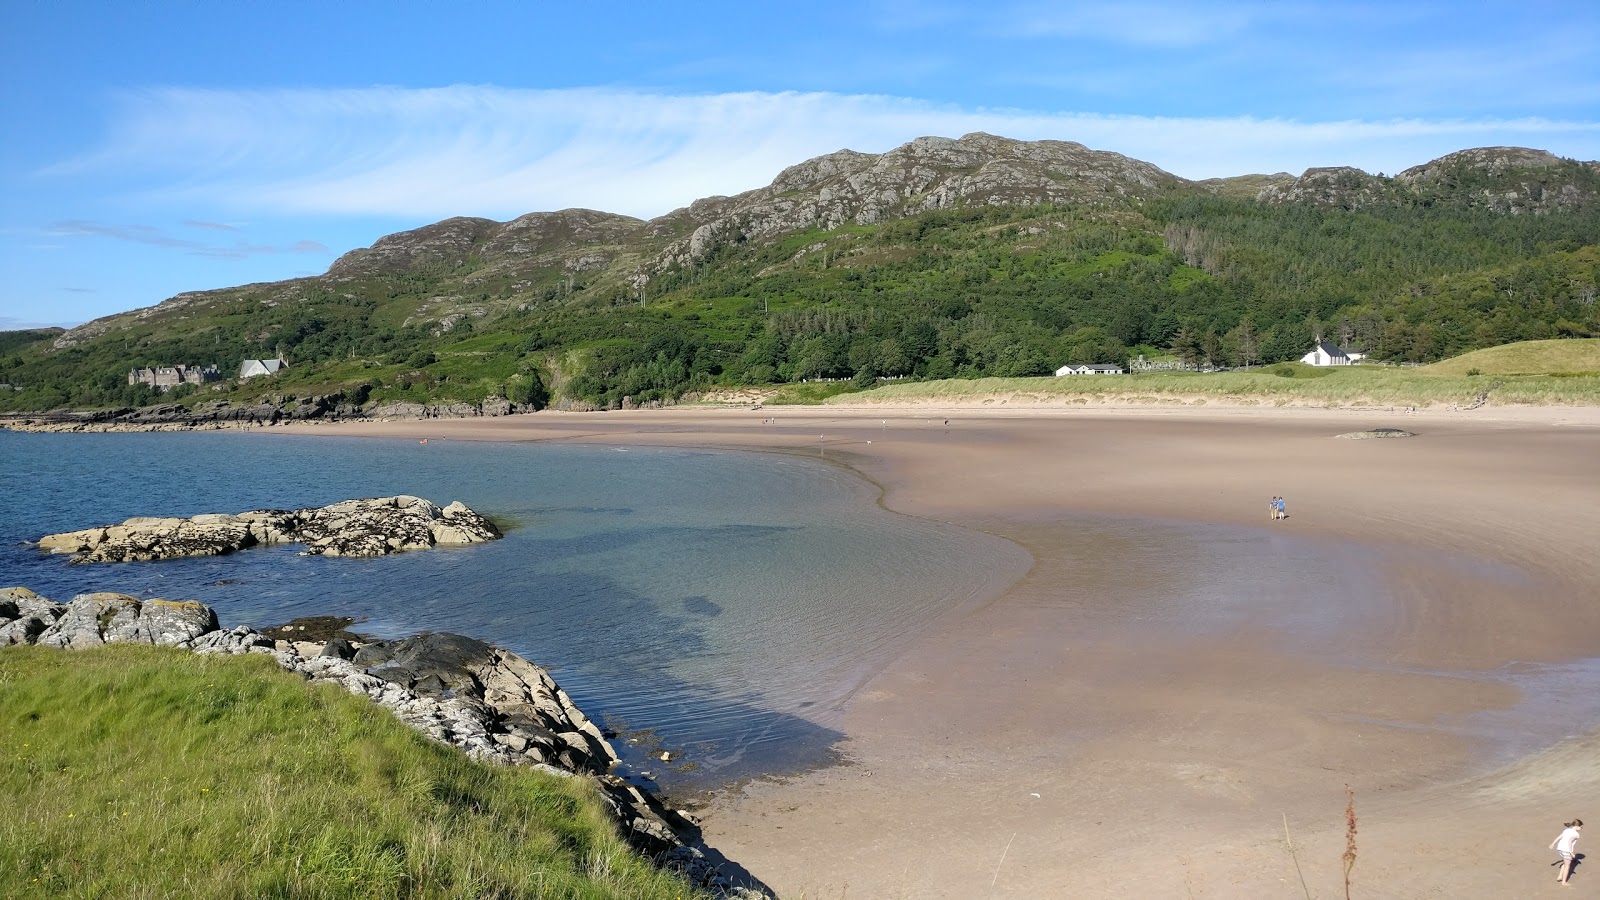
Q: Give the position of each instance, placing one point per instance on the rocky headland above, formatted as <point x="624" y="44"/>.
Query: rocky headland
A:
<point x="369" y="527"/>
<point x="489" y="702"/>
<point x="215" y="415"/>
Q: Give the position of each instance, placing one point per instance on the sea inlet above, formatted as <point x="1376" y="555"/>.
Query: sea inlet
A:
<point x="718" y="607"/>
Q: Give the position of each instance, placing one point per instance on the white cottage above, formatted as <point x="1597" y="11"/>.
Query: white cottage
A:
<point x="1096" y="369"/>
<point x="1326" y="354"/>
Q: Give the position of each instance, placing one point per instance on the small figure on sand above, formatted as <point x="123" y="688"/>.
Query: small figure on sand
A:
<point x="1282" y="512"/>
<point x="1272" y="508"/>
<point x="1564" y="844"/>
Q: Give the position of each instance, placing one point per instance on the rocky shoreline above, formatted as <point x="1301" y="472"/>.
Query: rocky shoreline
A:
<point x="369" y="527"/>
<point x="219" y="414"/>
<point x="489" y="702"/>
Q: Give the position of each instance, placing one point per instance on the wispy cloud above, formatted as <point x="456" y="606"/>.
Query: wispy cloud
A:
<point x="1138" y="22"/>
<point x="421" y="153"/>
<point x="152" y="236"/>
<point x="12" y="323"/>
<point x="81" y="290"/>
<point x="210" y="226"/>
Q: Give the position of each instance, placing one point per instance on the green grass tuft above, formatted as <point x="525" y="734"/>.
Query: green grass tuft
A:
<point x="148" y="772"/>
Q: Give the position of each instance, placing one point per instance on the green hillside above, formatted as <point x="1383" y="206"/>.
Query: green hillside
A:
<point x="784" y="284"/>
<point x="147" y="772"/>
<point x="1526" y="358"/>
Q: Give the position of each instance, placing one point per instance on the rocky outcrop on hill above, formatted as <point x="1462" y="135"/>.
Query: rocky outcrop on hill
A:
<point x="926" y="174"/>
<point x="1506" y="179"/>
<point x="370" y="527"/>
<point x="1341" y="186"/>
<point x="489" y="702"/>
<point x="1509" y="180"/>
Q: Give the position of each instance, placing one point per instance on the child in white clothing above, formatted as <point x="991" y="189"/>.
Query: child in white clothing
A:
<point x="1564" y="844"/>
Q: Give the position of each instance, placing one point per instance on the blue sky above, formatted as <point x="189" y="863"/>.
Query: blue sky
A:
<point x="153" y="148"/>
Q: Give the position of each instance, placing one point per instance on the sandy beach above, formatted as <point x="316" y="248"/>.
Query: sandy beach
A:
<point x="1085" y="735"/>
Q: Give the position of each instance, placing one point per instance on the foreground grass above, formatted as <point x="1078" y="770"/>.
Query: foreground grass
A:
<point x="147" y="772"/>
<point x="1283" y="384"/>
<point x="1568" y="356"/>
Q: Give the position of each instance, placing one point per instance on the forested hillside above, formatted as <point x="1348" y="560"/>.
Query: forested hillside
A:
<point x="964" y="258"/>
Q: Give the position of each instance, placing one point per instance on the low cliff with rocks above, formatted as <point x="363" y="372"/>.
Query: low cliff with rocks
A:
<point x="489" y="702"/>
<point x="280" y="410"/>
<point x="370" y="527"/>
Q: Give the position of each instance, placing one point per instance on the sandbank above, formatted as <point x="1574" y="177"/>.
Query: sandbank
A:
<point x="1078" y="736"/>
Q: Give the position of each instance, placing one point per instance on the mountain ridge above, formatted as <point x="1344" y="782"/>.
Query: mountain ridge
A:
<point x="852" y="190"/>
<point x="999" y="254"/>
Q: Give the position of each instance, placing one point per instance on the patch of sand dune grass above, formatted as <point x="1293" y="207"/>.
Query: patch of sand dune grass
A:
<point x="1284" y="384"/>
<point x="1575" y="355"/>
<point x="151" y="772"/>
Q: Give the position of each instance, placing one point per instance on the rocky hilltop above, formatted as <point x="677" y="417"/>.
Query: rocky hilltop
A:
<point x="1512" y="180"/>
<point x="370" y="527"/>
<point x="928" y="173"/>
<point x="489" y="702"/>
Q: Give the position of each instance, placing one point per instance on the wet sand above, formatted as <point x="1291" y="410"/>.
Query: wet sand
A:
<point x="1083" y="735"/>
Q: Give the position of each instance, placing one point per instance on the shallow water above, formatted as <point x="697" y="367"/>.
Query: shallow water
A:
<point x="726" y="604"/>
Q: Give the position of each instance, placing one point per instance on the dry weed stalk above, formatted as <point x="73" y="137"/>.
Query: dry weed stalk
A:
<point x="1349" y="837"/>
<point x="1294" y="856"/>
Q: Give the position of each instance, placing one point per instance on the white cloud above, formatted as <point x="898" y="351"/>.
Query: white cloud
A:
<point x="151" y="236"/>
<point x="432" y="153"/>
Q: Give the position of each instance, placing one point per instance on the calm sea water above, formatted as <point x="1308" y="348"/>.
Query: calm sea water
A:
<point x="718" y="605"/>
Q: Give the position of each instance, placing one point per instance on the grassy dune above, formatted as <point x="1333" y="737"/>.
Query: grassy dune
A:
<point x="1284" y="384"/>
<point x="148" y="772"/>
<point x="1577" y="355"/>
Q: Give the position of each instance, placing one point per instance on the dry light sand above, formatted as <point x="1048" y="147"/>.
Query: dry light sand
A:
<point x="1074" y="737"/>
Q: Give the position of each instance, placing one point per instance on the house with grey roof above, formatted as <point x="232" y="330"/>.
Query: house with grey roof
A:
<point x="255" y="368"/>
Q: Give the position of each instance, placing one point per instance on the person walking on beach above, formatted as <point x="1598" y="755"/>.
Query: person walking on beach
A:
<point x="1282" y="513"/>
<point x="1564" y="844"/>
<point x="1272" y="509"/>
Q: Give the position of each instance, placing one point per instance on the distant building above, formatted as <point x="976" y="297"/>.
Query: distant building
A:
<point x="1326" y="354"/>
<point x="165" y="378"/>
<point x="1095" y="369"/>
<point x="255" y="368"/>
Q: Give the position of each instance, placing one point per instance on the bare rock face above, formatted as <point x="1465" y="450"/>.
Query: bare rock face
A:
<point x="371" y="527"/>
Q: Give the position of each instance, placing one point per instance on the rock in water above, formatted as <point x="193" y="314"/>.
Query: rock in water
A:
<point x="370" y="527"/>
<point x="1377" y="433"/>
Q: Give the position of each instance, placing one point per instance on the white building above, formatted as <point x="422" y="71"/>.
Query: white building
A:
<point x="254" y="368"/>
<point x="1326" y="354"/>
<point x="1096" y="369"/>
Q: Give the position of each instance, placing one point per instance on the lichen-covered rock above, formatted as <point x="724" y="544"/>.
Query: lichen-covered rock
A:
<point x="369" y="527"/>
<point x="141" y="539"/>
<point x="25" y="615"/>
<point x="90" y="620"/>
